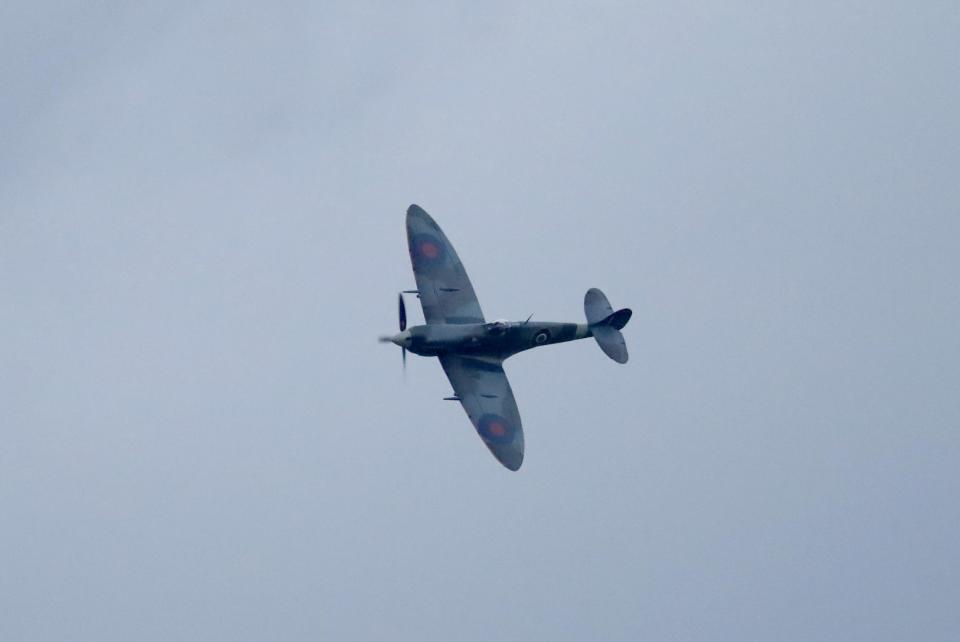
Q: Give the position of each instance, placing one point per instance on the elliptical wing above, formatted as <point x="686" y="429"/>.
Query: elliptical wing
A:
<point x="446" y="293"/>
<point x="484" y="391"/>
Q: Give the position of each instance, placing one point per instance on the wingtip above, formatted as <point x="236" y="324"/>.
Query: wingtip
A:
<point x="510" y="459"/>
<point x="418" y="217"/>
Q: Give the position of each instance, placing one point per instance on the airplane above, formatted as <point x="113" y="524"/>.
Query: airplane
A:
<point x="471" y="350"/>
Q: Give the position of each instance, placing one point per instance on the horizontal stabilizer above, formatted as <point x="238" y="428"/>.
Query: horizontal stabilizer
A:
<point x="611" y="342"/>
<point x="596" y="306"/>
<point x="605" y="324"/>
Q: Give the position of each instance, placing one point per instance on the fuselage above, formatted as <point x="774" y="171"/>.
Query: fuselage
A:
<point x="498" y="339"/>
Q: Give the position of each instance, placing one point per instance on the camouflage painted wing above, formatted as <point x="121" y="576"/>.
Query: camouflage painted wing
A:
<point x="483" y="389"/>
<point x="445" y="290"/>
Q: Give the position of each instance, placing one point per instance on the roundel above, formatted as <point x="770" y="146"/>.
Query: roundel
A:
<point x="541" y="337"/>
<point x="495" y="429"/>
<point x="426" y="251"/>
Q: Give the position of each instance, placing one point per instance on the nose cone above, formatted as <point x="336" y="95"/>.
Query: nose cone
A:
<point x="401" y="339"/>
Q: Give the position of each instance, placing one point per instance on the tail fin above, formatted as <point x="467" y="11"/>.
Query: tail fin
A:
<point x="605" y="324"/>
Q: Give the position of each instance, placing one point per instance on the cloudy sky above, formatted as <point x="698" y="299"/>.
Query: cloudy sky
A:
<point x="201" y="236"/>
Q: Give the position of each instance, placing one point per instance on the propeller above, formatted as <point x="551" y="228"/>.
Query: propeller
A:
<point x="402" y="314"/>
<point x="402" y="310"/>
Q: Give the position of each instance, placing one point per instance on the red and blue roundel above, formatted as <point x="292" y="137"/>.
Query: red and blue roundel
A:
<point x="426" y="251"/>
<point x="495" y="429"/>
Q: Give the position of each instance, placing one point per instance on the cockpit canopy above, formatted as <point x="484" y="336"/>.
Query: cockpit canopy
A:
<point x="499" y="326"/>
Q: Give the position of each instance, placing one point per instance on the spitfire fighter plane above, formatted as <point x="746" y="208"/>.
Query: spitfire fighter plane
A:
<point x="471" y="350"/>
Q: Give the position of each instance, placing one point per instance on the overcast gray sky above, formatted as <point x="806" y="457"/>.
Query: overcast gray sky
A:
<point x="201" y="236"/>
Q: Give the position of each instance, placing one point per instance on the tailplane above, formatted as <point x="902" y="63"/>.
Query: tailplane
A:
<point x="605" y="324"/>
